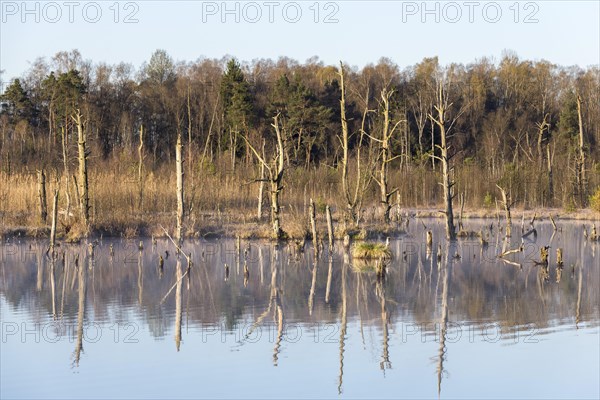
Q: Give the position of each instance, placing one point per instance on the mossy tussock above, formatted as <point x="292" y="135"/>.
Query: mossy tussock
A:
<point x="371" y="251"/>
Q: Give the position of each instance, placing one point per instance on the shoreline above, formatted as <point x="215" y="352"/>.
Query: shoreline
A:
<point x="248" y="229"/>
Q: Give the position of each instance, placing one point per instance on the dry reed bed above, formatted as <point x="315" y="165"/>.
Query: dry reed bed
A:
<point x="222" y="203"/>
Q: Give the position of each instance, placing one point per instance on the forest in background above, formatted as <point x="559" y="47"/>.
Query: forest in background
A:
<point x="530" y="127"/>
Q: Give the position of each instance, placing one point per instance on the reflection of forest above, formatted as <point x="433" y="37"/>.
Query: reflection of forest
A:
<point x="478" y="291"/>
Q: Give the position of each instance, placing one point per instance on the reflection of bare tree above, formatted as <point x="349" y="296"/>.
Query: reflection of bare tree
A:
<point x="313" y="285"/>
<point x="579" y="287"/>
<point x="80" y="312"/>
<point x="344" y="323"/>
<point x="140" y="280"/>
<point x="385" y="358"/>
<point x="40" y="271"/>
<point x="178" y="298"/>
<point x="443" y="320"/>
<point x="329" y="276"/>
<point x="53" y="287"/>
<point x="276" y="300"/>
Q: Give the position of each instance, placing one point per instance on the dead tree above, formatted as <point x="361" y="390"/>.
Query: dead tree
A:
<point x="140" y="168"/>
<point x="507" y="203"/>
<point x="83" y="154"/>
<point x="54" y="219"/>
<point x="313" y="227"/>
<point x="385" y="157"/>
<point x="440" y="120"/>
<point x="275" y="169"/>
<point x="542" y="127"/>
<point x="550" y="159"/>
<point x="329" y="228"/>
<point x="179" y="172"/>
<point x="581" y="180"/>
<point x="41" y="176"/>
<point x="353" y="200"/>
<point x="261" y="185"/>
<point x="65" y="143"/>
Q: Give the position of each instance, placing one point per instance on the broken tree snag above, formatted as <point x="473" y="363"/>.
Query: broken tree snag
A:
<point x="553" y="223"/>
<point x="513" y="251"/>
<point x="506" y="201"/>
<point x="429" y="239"/>
<point x="179" y="172"/>
<point x="550" y="158"/>
<point x="277" y="180"/>
<point x="559" y="256"/>
<point x="461" y="198"/>
<point x="41" y="177"/>
<point x="140" y="168"/>
<point x="544" y="255"/>
<point x="329" y="228"/>
<point x="581" y="159"/>
<point x="261" y="185"/>
<point x="83" y="172"/>
<point x="54" y="218"/>
<point x="313" y="226"/>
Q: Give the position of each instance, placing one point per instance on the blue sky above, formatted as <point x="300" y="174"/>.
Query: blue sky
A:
<point x="357" y="32"/>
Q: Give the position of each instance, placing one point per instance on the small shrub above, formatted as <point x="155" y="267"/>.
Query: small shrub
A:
<point x="488" y="201"/>
<point x="595" y="200"/>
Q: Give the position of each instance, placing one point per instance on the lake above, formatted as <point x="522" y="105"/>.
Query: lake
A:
<point x="451" y="321"/>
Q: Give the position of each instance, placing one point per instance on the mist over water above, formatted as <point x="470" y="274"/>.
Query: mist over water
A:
<point x="270" y="321"/>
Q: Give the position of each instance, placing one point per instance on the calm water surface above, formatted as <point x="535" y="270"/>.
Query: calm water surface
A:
<point x="461" y="323"/>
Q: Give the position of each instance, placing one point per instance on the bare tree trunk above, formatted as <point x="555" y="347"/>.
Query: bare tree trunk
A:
<point x="179" y="172"/>
<point x="345" y="146"/>
<point x="385" y="155"/>
<point x="329" y="228"/>
<point x="447" y="182"/>
<point x="550" y="158"/>
<point x="581" y="164"/>
<point x="189" y="113"/>
<point x="41" y="176"/>
<point x="54" y="218"/>
<point x="276" y="181"/>
<point x="313" y="227"/>
<point x="261" y="185"/>
<point x="83" y="173"/>
<point x="66" y="171"/>
<point x="506" y="201"/>
<point x="442" y="106"/>
<point x="140" y="169"/>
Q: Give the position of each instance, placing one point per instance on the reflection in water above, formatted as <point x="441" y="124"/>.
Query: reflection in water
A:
<point x="443" y="319"/>
<point x="81" y="282"/>
<point x="313" y="285"/>
<point x="479" y="289"/>
<point x="178" y="298"/>
<point x="344" y="322"/>
<point x="579" y="286"/>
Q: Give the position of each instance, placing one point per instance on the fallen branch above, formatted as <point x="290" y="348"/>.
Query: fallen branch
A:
<point x="174" y="285"/>
<point x="513" y="251"/>
<point x="177" y="246"/>
<point x="553" y="223"/>
<point x="531" y="231"/>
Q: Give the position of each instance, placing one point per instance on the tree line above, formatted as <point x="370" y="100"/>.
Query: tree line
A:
<point x="532" y="127"/>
